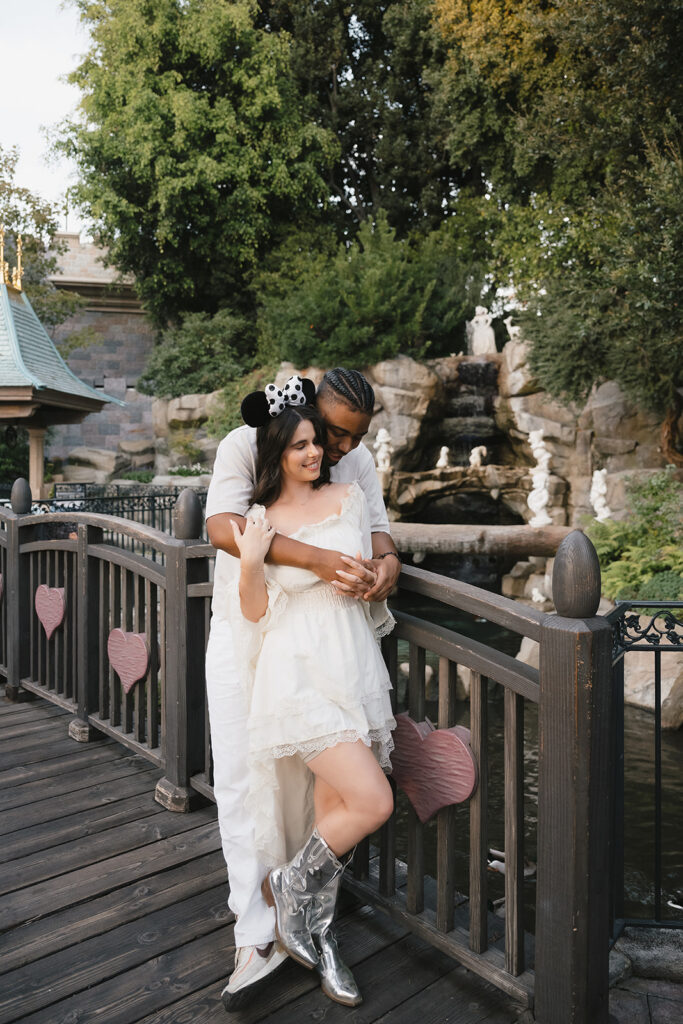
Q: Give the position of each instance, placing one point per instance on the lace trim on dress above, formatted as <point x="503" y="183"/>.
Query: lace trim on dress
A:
<point x="311" y="748"/>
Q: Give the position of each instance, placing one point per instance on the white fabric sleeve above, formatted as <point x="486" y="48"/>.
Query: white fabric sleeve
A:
<point x="369" y="481"/>
<point x="234" y="473"/>
<point x="247" y="635"/>
<point x="377" y="612"/>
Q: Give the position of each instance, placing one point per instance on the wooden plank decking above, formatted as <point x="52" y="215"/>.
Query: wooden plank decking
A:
<point x="114" y="910"/>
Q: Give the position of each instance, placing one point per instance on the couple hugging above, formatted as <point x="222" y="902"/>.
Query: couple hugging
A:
<point x="297" y="689"/>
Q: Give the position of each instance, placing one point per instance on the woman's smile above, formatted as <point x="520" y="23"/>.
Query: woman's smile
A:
<point x="302" y="457"/>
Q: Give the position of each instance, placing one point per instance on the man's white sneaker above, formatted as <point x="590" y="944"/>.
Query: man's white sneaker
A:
<point x="253" y="965"/>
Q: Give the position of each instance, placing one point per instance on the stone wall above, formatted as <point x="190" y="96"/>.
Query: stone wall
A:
<point x="609" y="432"/>
<point x="114" y="364"/>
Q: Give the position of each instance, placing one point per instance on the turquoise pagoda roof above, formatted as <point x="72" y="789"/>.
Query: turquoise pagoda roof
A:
<point x="30" y="360"/>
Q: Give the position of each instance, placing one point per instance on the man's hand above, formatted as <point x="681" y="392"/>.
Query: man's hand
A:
<point x="388" y="571"/>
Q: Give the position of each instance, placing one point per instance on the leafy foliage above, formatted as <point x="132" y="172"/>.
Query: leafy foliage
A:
<point x="615" y="312"/>
<point x="571" y="112"/>
<point x="372" y="299"/>
<point x="192" y="149"/>
<point x="13" y="457"/>
<point x="365" y="73"/>
<point x="26" y="214"/>
<point x="199" y="355"/>
<point x="362" y="305"/>
<point x="140" y="476"/>
<point x="641" y="556"/>
<point x="557" y="98"/>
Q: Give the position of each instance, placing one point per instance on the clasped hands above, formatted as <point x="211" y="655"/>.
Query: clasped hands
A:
<point x="360" y="578"/>
<point x="366" y="578"/>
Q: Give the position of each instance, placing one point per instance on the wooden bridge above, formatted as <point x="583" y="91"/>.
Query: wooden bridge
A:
<point x="114" y="909"/>
<point x="114" y="904"/>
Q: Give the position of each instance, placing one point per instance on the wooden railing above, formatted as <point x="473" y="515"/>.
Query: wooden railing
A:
<point x="120" y="575"/>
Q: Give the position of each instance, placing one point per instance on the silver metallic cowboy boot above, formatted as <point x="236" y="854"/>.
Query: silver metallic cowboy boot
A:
<point x="291" y="888"/>
<point x="336" y="979"/>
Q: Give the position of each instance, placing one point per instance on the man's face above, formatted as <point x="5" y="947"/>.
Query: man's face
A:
<point x="346" y="427"/>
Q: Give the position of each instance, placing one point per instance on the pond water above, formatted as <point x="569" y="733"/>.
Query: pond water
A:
<point x="639" y="784"/>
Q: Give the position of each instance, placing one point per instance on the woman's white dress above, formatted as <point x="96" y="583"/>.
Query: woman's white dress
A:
<point x="315" y="677"/>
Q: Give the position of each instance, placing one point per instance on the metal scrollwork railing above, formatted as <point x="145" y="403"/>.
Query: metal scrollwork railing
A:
<point x="664" y="629"/>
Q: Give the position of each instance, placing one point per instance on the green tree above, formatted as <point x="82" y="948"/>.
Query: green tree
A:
<point x="556" y="97"/>
<point x="615" y="311"/>
<point x="572" y="112"/>
<point x="191" y="148"/>
<point x="24" y="213"/>
<point x="365" y="74"/>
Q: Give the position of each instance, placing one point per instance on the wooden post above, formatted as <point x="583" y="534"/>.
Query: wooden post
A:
<point x="185" y="649"/>
<point x="17" y="597"/>
<point x="87" y="638"/>
<point x="572" y="921"/>
<point x="36" y="459"/>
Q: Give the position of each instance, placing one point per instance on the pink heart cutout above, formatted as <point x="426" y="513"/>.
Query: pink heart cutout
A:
<point x="50" y="607"/>
<point x="129" y="656"/>
<point x="434" y="767"/>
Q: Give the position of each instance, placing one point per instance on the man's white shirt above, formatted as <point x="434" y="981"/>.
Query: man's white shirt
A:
<point x="232" y="485"/>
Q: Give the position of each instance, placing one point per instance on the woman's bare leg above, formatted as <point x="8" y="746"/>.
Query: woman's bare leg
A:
<point x="365" y="799"/>
<point x="325" y="798"/>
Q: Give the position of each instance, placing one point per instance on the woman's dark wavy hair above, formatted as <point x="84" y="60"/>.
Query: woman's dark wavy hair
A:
<point x="271" y="442"/>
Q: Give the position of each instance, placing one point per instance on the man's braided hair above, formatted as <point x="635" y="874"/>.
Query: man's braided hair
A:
<point x="348" y="386"/>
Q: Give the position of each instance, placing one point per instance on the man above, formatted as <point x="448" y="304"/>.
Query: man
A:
<point x="346" y="401"/>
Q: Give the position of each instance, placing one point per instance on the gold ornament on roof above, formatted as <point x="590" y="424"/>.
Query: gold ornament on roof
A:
<point x="13" y="279"/>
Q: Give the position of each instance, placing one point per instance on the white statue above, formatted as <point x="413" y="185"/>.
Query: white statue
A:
<point x="515" y="332"/>
<point x="536" y="596"/>
<point x="539" y="498"/>
<point x="442" y="462"/>
<point x="480" y="336"/>
<point x="384" y="449"/>
<point x="477" y="455"/>
<point x="598" y="495"/>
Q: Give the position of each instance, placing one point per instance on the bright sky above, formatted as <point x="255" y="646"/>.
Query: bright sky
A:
<point x="42" y="41"/>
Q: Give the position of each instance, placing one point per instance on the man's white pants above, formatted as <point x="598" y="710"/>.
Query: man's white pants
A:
<point x="255" y="925"/>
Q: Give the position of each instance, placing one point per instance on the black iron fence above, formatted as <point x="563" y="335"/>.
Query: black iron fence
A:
<point x="655" y="627"/>
<point x="117" y="593"/>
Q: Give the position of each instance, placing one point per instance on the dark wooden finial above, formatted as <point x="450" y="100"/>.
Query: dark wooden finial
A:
<point x="576" y="578"/>
<point x="187" y="516"/>
<point x="20" y="497"/>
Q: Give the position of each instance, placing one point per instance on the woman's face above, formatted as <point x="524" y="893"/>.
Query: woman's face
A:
<point x="302" y="456"/>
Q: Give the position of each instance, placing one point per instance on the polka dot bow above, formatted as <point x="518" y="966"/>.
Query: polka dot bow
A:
<point x="291" y="394"/>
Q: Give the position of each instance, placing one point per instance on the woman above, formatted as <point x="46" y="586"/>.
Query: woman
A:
<point x="319" y="690"/>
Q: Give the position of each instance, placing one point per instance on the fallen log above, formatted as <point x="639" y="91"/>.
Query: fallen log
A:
<point x="517" y="542"/>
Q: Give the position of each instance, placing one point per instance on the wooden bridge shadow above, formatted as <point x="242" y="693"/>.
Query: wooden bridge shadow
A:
<point x="114" y="909"/>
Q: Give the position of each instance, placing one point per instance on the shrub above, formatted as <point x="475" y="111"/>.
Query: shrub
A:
<point x="199" y="355"/>
<point x="357" y="307"/>
<point x="642" y="555"/>
<point x="140" y="476"/>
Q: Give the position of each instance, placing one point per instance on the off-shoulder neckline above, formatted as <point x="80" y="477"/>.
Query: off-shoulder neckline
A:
<point x="352" y="490"/>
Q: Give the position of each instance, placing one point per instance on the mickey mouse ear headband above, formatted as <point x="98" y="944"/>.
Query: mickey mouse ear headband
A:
<point x="261" y="406"/>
